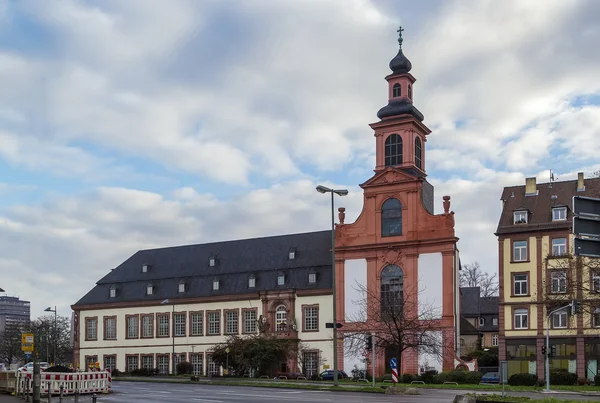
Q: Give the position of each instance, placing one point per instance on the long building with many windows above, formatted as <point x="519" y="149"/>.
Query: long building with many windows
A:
<point x="163" y="306"/>
<point x="538" y="274"/>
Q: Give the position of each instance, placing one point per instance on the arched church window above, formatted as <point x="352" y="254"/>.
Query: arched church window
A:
<point x="393" y="150"/>
<point x="409" y="91"/>
<point x="281" y="318"/>
<point x="418" y="153"/>
<point x="396" y="90"/>
<point x="392" y="292"/>
<point x="391" y="218"/>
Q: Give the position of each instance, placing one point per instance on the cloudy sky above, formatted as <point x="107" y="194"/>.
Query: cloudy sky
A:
<point x="136" y="124"/>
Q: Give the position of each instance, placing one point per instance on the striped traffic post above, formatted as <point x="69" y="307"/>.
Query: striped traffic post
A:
<point x="394" y="366"/>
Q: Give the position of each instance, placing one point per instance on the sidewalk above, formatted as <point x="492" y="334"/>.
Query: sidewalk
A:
<point x="9" y="399"/>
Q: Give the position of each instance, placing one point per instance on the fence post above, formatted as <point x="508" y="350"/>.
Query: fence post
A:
<point x="60" y="397"/>
<point x="94" y="398"/>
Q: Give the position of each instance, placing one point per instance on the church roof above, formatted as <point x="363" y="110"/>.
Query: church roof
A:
<point x="235" y="261"/>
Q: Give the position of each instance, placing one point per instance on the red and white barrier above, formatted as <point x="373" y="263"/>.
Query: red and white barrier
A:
<point x="82" y="382"/>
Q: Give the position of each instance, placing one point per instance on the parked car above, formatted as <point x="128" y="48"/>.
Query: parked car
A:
<point x="327" y="375"/>
<point x="29" y="367"/>
<point x="491" y="377"/>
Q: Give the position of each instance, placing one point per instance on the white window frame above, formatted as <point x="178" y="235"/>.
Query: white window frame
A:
<point x="163" y="325"/>
<point x="494" y="340"/>
<point x="149" y="289"/>
<point x="211" y="261"/>
<point x="197" y="319"/>
<point x="132" y="363"/>
<point x="521" y="315"/>
<point x="292" y="255"/>
<point x="559" y="246"/>
<point x="281" y="318"/>
<point x="312" y="278"/>
<point x="495" y="322"/>
<point x="144" y="268"/>
<point x="481" y="322"/>
<point x="520" y="217"/>
<point x="91" y="329"/>
<point x="251" y="282"/>
<point x="596" y="281"/>
<point x="132" y="327"/>
<point x="147" y="326"/>
<point x="215" y="285"/>
<point x="147" y="361"/>
<point x="214" y="323"/>
<point x="520" y="246"/>
<point x="559" y="214"/>
<point x="181" y="287"/>
<point x="311" y="318"/>
<point x="281" y="279"/>
<point x="250" y="319"/>
<point x="113" y="292"/>
<point x="179" y="324"/>
<point x="522" y="283"/>
<point x="162" y="363"/>
<point x="558" y="282"/>
<point x="560" y="320"/>
<point x="111" y="328"/>
<point x="232" y="319"/>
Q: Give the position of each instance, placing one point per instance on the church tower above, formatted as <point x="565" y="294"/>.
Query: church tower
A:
<point x="398" y="251"/>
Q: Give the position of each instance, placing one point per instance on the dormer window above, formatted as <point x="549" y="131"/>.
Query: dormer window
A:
<point x="396" y="90"/>
<point x="292" y="254"/>
<point x="312" y="278"/>
<point x="215" y="285"/>
<point x="182" y="286"/>
<point x="559" y="214"/>
<point x="113" y="292"/>
<point x="251" y="282"/>
<point x="409" y="91"/>
<point x="520" y="217"/>
<point x="212" y="261"/>
<point x="149" y="289"/>
<point x="280" y="279"/>
<point x="145" y="268"/>
<point x="481" y="322"/>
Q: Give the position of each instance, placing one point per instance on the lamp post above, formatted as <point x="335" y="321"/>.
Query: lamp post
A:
<point x="166" y="301"/>
<point x="55" y="319"/>
<point x="339" y="192"/>
<point x="1" y="290"/>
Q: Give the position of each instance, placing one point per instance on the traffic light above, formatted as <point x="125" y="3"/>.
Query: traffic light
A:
<point x="552" y="351"/>
<point x="369" y="343"/>
<point x="575" y="307"/>
<point x="544" y="350"/>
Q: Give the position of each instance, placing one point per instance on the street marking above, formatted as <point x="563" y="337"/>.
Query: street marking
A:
<point x="198" y="399"/>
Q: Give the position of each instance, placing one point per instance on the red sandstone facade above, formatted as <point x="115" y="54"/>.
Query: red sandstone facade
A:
<point x="397" y="223"/>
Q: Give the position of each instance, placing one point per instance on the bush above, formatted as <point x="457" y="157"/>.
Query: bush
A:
<point x="115" y="372"/>
<point x="386" y="377"/>
<point x="184" y="367"/>
<point x="597" y="380"/>
<point x="408" y="378"/>
<point x="459" y="376"/>
<point x="428" y="376"/>
<point x="523" y="380"/>
<point x="562" y="377"/>
<point x="144" y="371"/>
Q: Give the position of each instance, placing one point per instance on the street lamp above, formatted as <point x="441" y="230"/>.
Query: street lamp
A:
<point x="1" y="290"/>
<point x="55" y="319"/>
<point x="339" y="192"/>
<point x="166" y="301"/>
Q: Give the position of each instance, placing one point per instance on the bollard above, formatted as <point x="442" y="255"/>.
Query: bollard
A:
<point x="60" y="396"/>
<point x="26" y="390"/>
<point x="94" y="398"/>
<point x="49" y="394"/>
<point x="76" y="396"/>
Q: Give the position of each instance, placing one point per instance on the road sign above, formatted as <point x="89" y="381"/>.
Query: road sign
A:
<point x="394" y="366"/>
<point x="394" y="363"/>
<point x="329" y="325"/>
<point x="227" y="350"/>
<point x="586" y="226"/>
<point x="27" y="338"/>
<point x="27" y="355"/>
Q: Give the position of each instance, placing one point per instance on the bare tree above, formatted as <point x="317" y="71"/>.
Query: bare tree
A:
<point x="309" y="357"/>
<point x="397" y="320"/>
<point x="471" y="275"/>
<point x="10" y="343"/>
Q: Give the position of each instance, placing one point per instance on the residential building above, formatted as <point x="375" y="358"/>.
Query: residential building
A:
<point x="482" y="315"/>
<point x="13" y="310"/>
<point x="539" y="273"/>
<point x="163" y="306"/>
<point x="398" y="248"/>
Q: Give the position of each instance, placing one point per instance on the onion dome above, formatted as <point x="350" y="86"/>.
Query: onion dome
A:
<point x="400" y="64"/>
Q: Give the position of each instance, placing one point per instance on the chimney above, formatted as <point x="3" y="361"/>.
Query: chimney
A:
<point x="530" y="187"/>
<point x="580" y="182"/>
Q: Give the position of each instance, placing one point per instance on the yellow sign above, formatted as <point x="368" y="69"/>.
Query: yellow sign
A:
<point x="28" y="348"/>
<point x="27" y="338"/>
<point x="325" y="366"/>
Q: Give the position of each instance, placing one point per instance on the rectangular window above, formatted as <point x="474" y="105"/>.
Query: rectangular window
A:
<point x="520" y="284"/>
<point x="231" y="322"/>
<point x="311" y="363"/>
<point x="559" y="320"/>
<point x="133" y="324"/>
<point x="520" y="217"/>
<point x="197" y="323"/>
<point x="312" y="278"/>
<point x="215" y="285"/>
<point x="558" y="281"/>
<point x="90" y="361"/>
<point x="521" y="318"/>
<point x="162" y="363"/>
<point x="110" y="362"/>
<point x="113" y="292"/>
<point x="251" y="282"/>
<point x="147" y="362"/>
<point x="149" y="290"/>
<point x="311" y="318"/>
<point x="91" y="329"/>
<point x="559" y="214"/>
<point x="250" y="321"/>
<point x="596" y="317"/>
<point x="110" y="328"/>
<point x="520" y="251"/>
<point x="495" y="322"/>
<point x="132" y="363"/>
<point x="197" y="364"/>
<point x="163" y="325"/>
<point x="494" y="340"/>
<point x="596" y="281"/>
<point x="281" y="279"/>
<point x="179" y="320"/>
<point x="213" y="368"/>
<point x="179" y="358"/>
<point x="181" y="287"/>
<point x="559" y="246"/>
<point x="292" y="255"/>
<point x="147" y="326"/>
<point x="214" y="323"/>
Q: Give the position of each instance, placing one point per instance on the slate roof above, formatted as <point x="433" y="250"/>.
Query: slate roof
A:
<point x="474" y="306"/>
<point x="469" y="301"/>
<point x="236" y="261"/>
<point x="540" y="205"/>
